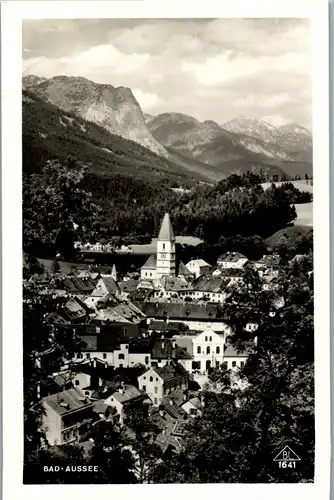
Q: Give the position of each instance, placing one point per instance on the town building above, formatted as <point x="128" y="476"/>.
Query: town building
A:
<point x="232" y="260"/>
<point x="197" y="267"/>
<point x="159" y="382"/>
<point x="129" y="402"/>
<point x="197" y="317"/>
<point x="164" y="262"/>
<point x="67" y="416"/>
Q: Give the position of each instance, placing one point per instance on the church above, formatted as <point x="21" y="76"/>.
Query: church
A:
<point x="164" y="262"/>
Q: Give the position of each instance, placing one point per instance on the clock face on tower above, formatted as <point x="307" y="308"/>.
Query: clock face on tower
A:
<point x="163" y="255"/>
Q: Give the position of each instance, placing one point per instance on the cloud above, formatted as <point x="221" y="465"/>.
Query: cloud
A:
<point x="99" y="59"/>
<point x="147" y="101"/>
<point x="208" y="68"/>
<point x="228" y="67"/>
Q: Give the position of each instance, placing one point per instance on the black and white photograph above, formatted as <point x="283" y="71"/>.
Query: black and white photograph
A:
<point x="168" y="238"/>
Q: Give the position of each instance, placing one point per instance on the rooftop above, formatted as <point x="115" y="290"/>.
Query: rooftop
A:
<point x="181" y="311"/>
<point x="66" y="401"/>
<point x="151" y="262"/>
<point x="166" y="231"/>
<point x="210" y="284"/>
<point x="231" y="257"/>
<point x="197" y="263"/>
<point x="130" y="392"/>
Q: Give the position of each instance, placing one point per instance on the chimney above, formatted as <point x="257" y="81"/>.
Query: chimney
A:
<point x="173" y="343"/>
<point x="162" y="345"/>
<point x="185" y="396"/>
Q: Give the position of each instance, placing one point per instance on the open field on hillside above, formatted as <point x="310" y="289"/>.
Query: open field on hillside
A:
<point x="301" y="185"/>
<point x="304" y="214"/>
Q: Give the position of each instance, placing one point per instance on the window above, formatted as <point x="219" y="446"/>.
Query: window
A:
<point x="242" y="364"/>
<point x="155" y="401"/>
<point x="150" y="274"/>
<point x="87" y="355"/>
<point x="121" y="365"/>
<point x="217" y="364"/>
<point x="144" y="378"/>
<point x="147" y="360"/>
<point x="210" y="338"/>
<point x="77" y="382"/>
<point x="80" y="355"/>
<point x="155" y="390"/>
<point x="144" y="388"/>
<point x="121" y="356"/>
<point x="208" y="350"/>
<point x="87" y="393"/>
<point x="234" y="364"/>
<point x="163" y="246"/>
<point x="151" y="379"/>
<point x="206" y="339"/>
<point x="156" y="379"/>
<point x="199" y="349"/>
<point x="104" y="355"/>
<point x="217" y="349"/>
<point x="199" y="365"/>
<point x="126" y="347"/>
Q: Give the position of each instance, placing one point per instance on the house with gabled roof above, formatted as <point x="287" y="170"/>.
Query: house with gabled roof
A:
<point x="159" y="382"/>
<point x="67" y="416"/>
<point x="232" y="260"/>
<point x="197" y="267"/>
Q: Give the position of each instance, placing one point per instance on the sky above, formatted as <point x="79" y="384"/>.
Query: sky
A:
<point x="211" y="69"/>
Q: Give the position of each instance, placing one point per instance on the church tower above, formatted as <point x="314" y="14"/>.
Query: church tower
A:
<point x="166" y="250"/>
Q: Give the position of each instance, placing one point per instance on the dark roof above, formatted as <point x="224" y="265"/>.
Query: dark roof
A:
<point x="140" y="346"/>
<point x="151" y="262"/>
<point x="232" y="272"/>
<point x="108" y="337"/>
<point x="171" y="283"/>
<point x="128" y="286"/>
<point x="163" y="326"/>
<point x="183" y="270"/>
<point x="180" y="311"/>
<point x="163" y="349"/>
<point x="130" y="393"/>
<point x="166" y="231"/>
<point x="74" y="284"/>
<point x="210" y="284"/>
<point x="231" y="257"/>
<point x="171" y="371"/>
<point x="110" y="285"/>
<point x="75" y="308"/>
<point x="66" y="401"/>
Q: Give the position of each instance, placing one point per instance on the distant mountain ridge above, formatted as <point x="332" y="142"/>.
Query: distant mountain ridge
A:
<point x="203" y="148"/>
<point x="244" y="144"/>
<point x="294" y="139"/>
<point x="49" y="133"/>
<point x="114" y="108"/>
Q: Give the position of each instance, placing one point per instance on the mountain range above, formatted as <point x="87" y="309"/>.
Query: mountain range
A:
<point x="198" y="150"/>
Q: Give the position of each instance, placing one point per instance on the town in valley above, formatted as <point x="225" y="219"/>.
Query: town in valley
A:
<point x="168" y="318"/>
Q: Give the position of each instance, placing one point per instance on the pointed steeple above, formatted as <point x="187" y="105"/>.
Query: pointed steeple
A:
<point x="166" y="230"/>
<point x="114" y="272"/>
